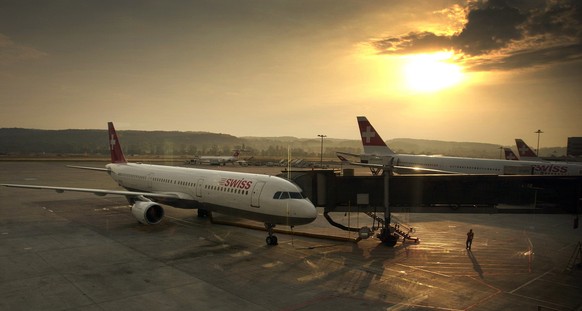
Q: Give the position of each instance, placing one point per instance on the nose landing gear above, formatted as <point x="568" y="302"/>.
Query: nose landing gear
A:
<point x="271" y="239"/>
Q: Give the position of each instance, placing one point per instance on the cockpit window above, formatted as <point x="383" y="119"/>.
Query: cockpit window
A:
<point x="282" y="195"/>
<point x="295" y="195"/>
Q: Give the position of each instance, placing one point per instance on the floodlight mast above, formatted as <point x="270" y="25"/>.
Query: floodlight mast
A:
<point x="321" y="151"/>
<point x="538" y="149"/>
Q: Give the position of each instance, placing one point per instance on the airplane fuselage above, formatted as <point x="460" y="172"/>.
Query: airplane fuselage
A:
<point x="477" y="166"/>
<point x="377" y="154"/>
<point x="264" y="198"/>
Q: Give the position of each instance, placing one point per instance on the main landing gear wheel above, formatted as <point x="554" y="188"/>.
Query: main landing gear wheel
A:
<point x="271" y="239"/>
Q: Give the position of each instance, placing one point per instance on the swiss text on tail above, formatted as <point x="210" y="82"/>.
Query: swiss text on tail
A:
<point x="114" y="145"/>
<point x="371" y="140"/>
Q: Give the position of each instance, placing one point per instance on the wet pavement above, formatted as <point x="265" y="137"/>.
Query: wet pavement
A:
<point x="76" y="251"/>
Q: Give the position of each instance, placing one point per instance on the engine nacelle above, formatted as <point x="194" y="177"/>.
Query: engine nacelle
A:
<point x="147" y="213"/>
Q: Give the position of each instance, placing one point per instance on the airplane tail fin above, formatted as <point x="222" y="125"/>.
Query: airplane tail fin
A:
<point x="371" y="140"/>
<point x="236" y="154"/>
<point x="525" y="152"/>
<point x="114" y="145"/>
<point x="509" y="154"/>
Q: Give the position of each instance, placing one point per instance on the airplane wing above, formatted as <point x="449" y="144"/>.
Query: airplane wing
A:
<point x="343" y="159"/>
<point x="408" y="168"/>
<point x="348" y="158"/>
<point x="429" y="170"/>
<point x="102" y="192"/>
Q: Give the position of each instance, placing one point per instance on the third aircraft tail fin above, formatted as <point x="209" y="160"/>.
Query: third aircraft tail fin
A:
<point x="509" y="154"/>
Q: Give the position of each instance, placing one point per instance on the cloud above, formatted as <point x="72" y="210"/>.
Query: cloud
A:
<point x="11" y="52"/>
<point x="503" y="35"/>
<point x="414" y="42"/>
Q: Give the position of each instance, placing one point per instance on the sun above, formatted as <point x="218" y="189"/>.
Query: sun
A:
<point x="431" y="72"/>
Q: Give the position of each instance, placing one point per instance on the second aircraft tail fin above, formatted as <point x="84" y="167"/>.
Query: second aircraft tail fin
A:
<point x="525" y="152"/>
<point x="371" y="140"/>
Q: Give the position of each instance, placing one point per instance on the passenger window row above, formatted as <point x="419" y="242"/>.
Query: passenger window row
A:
<point x="176" y="182"/>
<point x="226" y="189"/>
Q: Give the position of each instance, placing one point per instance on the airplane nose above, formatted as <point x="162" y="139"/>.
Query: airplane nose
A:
<point x="308" y="211"/>
<point x="302" y="211"/>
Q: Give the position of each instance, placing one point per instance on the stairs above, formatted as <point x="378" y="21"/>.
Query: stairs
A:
<point x="395" y="227"/>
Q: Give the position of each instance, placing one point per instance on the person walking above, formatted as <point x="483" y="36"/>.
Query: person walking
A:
<point x="470" y="235"/>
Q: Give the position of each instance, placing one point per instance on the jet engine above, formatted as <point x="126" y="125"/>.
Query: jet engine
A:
<point x="147" y="213"/>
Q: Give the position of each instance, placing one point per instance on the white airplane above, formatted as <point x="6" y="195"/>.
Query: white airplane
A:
<point x="218" y="160"/>
<point x="268" y="199"/>
<point x="378" y="155"/>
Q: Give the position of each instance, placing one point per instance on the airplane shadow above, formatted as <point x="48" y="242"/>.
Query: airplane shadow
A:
<point x="476" y="265"/>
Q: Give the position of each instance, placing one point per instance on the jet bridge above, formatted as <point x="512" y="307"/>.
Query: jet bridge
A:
<point x="435" y="193"/>
<point x="428" y="192"/>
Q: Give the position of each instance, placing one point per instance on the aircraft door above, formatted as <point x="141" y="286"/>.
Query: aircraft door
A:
<point x="149" y="179"/>
<point x="199" y="186"/>
<point x="256" y="194"/>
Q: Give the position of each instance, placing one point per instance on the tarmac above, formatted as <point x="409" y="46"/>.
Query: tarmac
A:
<point x="77" y="251"/>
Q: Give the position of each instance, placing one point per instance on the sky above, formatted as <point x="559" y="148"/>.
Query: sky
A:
<point x="470" y="71"/>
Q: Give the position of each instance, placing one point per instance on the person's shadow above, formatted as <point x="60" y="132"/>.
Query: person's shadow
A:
<point x="476" y="265"/>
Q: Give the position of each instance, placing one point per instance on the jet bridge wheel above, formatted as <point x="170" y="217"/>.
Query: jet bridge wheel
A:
<point x="388" y="238"/>
<point x="271" y="239"/>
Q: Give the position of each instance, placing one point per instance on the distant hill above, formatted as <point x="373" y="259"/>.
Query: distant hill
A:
<point x="18" y="141"/>
<point x="26" y="141"/>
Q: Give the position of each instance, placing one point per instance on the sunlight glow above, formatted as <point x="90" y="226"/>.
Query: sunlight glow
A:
<point x="431" y="72"/>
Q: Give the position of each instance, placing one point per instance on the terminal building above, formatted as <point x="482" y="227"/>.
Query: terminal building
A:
<point x="574" y="148"/>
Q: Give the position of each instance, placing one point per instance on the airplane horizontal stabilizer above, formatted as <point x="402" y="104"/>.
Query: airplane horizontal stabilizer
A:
<point x="89" y="168"/>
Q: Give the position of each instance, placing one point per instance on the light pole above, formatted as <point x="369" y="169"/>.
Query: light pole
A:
<point x="321" y="152"/>
<point x="538" y="150"/>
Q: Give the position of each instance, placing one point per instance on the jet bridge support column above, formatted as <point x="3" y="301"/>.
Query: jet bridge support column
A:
<point x="387" y="236"/>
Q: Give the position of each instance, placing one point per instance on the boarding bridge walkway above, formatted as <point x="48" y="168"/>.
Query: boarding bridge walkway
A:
<point x="434" y="193"/>
<point x="441" y="192"/>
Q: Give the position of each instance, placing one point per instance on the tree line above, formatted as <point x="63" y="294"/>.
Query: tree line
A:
<point x="18" y="141"/>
